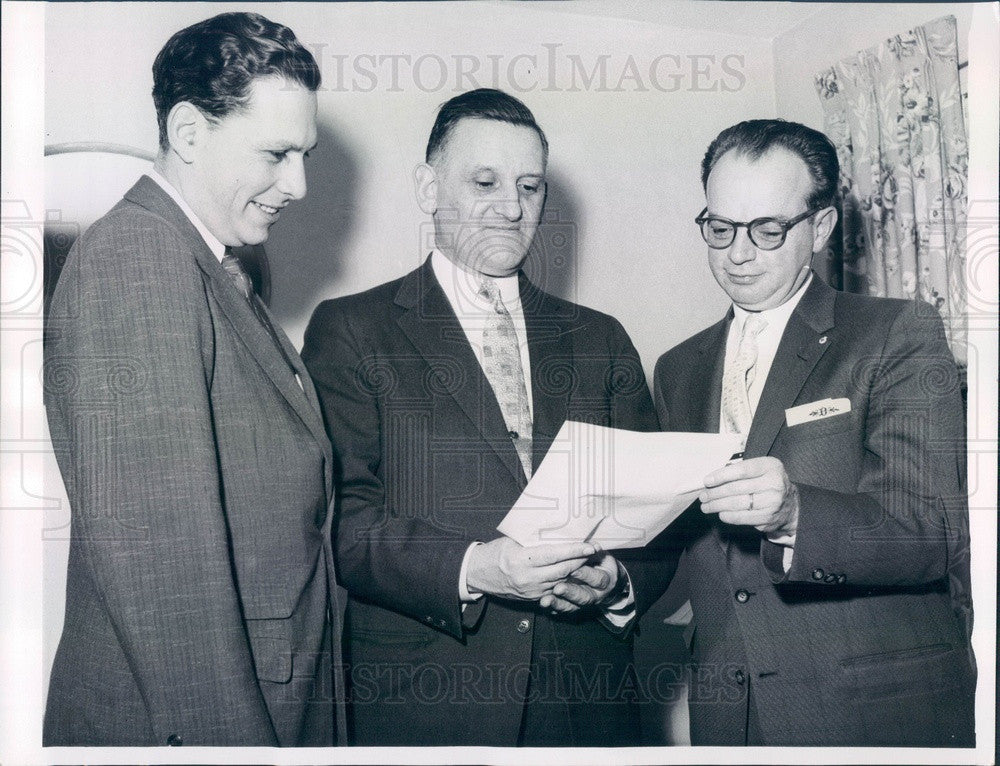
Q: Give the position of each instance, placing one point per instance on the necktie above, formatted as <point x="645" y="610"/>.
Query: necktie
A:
<point x="232" y="266"/>
<point x="502" y="365"/>
<point x="236" y="272"/>
<point x="737" y="414"/>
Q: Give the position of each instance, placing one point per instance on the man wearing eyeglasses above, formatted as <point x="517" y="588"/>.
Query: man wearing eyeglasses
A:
<point x="829" y="562"/>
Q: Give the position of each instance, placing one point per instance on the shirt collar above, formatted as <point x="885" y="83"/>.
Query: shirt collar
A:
<point x="462" y="287"/>
<point x="218" y="249"/>
<point x="777" y="316"/>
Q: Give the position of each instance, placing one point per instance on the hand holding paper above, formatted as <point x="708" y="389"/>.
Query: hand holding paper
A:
<point x="612" y="487"/>
<point x="504" y="568"/>
<point x="756" y="493"/>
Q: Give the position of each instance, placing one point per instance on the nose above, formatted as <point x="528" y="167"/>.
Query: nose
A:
<point x="742" y="249"/>
<point x="292" y="181"/>
<point x="508" y="206"/>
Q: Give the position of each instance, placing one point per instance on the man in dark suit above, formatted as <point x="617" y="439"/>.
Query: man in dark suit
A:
<point x="829" y="567"/>
<point x="201" y="601"/>
<point x="442" y="391"/>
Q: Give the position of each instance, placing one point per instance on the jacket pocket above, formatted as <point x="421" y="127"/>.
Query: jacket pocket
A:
<point x="901" y="655"/>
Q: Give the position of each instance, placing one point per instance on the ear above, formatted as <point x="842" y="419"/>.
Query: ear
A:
<point x="185" y="123"/>
<point x="425" y="182"/>
<point x="826" y="219"/>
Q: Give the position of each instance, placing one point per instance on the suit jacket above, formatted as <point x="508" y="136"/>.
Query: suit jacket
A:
<point x="864" y="641"/>
<point x="201" y="582"/>
<point x="425" y="467"/>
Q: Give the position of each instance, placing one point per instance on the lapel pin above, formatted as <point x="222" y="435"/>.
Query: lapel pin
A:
<point x="822" y="340"/>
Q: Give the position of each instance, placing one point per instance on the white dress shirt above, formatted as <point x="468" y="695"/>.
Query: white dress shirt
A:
<point x="767" y="346"/>
<point x="218" y="249"/>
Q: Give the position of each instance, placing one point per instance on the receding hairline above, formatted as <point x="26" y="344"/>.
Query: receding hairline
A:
<point x="442" y="147"/>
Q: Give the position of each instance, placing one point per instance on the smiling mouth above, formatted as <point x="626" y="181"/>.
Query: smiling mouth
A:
<point x="742" y="279"/>
<point x="266" y="208"/>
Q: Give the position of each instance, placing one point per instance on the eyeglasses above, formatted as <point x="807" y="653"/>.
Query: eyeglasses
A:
<point x="765" y="233"/>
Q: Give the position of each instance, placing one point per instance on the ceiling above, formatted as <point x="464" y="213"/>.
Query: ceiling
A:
<point x="752" y="19"/>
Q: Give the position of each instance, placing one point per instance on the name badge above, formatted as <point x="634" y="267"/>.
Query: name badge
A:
<point x="823" y="408"/>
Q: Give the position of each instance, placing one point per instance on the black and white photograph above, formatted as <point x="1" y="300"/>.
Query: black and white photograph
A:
<point x="499" y="381"/>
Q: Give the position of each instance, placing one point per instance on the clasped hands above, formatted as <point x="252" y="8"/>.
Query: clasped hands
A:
<point x="562" y="577"/>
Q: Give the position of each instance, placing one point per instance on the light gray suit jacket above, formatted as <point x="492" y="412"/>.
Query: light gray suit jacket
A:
<point x="201" y="604"/>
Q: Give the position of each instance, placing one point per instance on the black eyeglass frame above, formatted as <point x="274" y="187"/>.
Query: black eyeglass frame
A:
<point x="702" y="219"/>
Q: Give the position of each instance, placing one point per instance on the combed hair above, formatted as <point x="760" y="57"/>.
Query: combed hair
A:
<point x="480" y="104"/>
<point x="213" y="64"/>
<point x="754" y="138"/>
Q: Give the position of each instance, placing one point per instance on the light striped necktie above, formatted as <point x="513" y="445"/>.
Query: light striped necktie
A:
<point x="737" y="415"/>
<point x="503" y="369"/>
<point x="237" y="273"/>
<point x="232" y="266"/>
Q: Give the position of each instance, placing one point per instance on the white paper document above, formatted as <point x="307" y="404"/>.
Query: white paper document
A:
<point x="613" y="487"/>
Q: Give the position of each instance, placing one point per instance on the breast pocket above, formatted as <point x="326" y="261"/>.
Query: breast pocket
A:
<point x="824" y="427"/>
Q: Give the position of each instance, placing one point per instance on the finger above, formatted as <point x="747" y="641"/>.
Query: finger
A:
<point x="554" y="573"/>
<point x="576" y="593"/>
<point x="758" y="519"/>
<point x="562" y="606"/>
<point x="759" y="501"/>
<point x="741" y="469"/>
<point x="741" y="487"/>
<point x="595" y="577"/>
<point x="542" y="555"/>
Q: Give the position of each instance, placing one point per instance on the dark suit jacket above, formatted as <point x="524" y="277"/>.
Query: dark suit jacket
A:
<point x="864" y="640"/>
<point x="425" y="467"/>
<point x="201" y="581"/>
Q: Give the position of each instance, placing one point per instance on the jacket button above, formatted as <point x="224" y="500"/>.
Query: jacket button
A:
<point x="817" y="574"/>
<point x="742" y="596"/>
<point x="841" y="579"/>
<point x="524" y="626"/>
<point x="174" y="740"/>
<point x="830" y="578"/>
<point x="740" y="677"/>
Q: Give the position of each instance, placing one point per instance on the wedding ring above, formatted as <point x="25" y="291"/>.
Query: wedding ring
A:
<point x="751" y="501"/>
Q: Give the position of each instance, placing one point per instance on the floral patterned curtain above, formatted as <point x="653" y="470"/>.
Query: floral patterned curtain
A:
<point x="894" y="112"/>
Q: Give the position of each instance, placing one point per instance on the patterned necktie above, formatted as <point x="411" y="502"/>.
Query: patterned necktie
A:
<point x="236" y="272"/>
<point x="241" y="279"/>
<point x="737" y="414"/>
<point x="502" y="365"/>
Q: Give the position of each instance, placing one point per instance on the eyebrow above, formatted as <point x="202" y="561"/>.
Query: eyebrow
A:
<point x="266" y="147"/>
<point x="491" y="169"/>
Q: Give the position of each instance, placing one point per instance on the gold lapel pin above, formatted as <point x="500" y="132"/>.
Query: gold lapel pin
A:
<point x="822" y="340"/>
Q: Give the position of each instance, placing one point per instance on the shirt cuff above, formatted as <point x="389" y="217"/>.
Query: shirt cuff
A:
<point x="788" y="542"/>
<point x="463" y="586"/>
<point x="622" y="611"/>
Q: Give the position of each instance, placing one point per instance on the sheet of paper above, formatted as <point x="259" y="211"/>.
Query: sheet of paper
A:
<point x="617" y="488"/>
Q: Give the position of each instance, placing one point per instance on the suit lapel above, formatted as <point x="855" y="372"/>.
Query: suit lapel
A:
<point x="705" y="389"/>
<point x="430" y="323"/>
<point x="550" y="350"/>
<point x="805" y="340"/>
<point x="148" y="194"/>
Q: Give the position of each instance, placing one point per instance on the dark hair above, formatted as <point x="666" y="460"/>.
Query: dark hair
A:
<point x="754" y="138"/>
<point x="480" y="104"/>
<point x="213" y="64"/>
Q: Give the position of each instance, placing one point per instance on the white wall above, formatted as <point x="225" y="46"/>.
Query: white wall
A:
<point x="624" y="160"/>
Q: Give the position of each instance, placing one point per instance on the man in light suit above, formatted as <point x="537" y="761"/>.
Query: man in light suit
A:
<point x="829" y="566"/>
<point x="201" y="603"/>
<point x="442" y="391"/>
